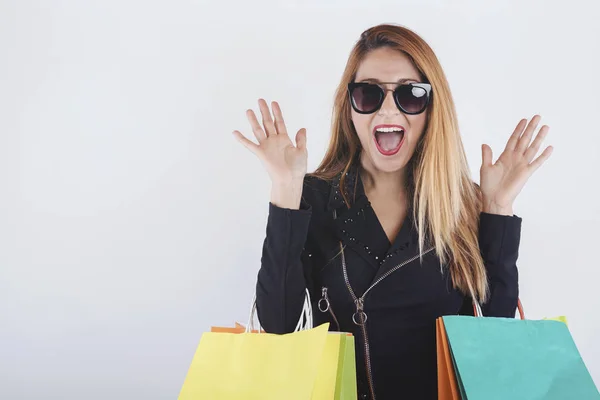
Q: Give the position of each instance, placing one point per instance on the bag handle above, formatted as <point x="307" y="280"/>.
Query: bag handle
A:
<point x="305" y="322"/>
<point x="477" y="308"/>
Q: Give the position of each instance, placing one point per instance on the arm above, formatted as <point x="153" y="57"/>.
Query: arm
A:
<point x="499" y="238"/>
<point x="281" y="284"/>
<point x="499" y="229"/>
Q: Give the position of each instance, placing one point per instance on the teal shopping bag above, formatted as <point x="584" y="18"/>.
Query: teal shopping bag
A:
<point x="503" y="358"/>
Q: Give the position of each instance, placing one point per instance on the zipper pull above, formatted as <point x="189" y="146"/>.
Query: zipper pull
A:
<point x="359" y="317"/>
<point x="323" y="303"/>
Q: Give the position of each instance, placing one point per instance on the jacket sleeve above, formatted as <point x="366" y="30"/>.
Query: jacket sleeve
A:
<point x="280" y="288"/>
<point x="499" y="238"/>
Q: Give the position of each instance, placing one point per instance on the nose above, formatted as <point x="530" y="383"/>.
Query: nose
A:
<point x="389" y="105"/>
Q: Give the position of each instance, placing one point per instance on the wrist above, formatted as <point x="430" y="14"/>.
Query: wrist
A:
<point x="287" y="195"/>
<point x="494" y="209"/>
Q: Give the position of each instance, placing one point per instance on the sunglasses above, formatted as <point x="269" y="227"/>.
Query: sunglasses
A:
<point x="410" y="98"/>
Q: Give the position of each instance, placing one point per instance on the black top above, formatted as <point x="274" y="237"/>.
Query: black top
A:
<point x="301" y="250"/>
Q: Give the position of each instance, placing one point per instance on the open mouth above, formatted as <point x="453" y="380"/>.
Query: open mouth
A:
<point x="389" y="138"/>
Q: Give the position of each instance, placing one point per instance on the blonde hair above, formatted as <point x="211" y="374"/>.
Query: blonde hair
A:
<point x="446" y="202"/>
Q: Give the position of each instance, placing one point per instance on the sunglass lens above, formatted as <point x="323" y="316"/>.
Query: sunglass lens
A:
<point x="367" y="98"/>
<point x="413" y="99"/>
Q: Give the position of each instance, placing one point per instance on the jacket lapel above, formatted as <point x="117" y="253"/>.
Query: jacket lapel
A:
<point x="405" y="246"/>
<point x="354" y="225"/>
<point x="360" y="230"/>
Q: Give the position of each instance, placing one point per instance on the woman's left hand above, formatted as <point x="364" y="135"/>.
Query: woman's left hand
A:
<point x="502" y="181"/>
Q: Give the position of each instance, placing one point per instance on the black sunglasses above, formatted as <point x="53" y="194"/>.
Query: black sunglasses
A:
<point x="410" y="98"/>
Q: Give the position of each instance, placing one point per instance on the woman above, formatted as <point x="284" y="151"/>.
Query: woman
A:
<point x="390" y="232"/>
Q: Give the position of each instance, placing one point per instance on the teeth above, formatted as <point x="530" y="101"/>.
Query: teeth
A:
<point x="392" y="129"/>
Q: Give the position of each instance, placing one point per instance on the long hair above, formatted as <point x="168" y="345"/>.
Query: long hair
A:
<point x="445" y="201"/>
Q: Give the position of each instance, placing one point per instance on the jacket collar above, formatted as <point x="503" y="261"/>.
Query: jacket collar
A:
<point x="353" y="189"/>
<point x="359" y="228"/>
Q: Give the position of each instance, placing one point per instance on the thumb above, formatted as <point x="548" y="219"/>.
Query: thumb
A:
<point x="301" y="139"/>
<point x="486" y="155"/>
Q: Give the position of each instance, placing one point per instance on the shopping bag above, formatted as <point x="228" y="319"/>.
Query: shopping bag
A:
<point x="238" y="328"/>
<point x="255" y="366"/>
<point x="235" y="363"/>
<point x="336" y="377"/>
<point x="345" y="388"/>
<point x="447" y="385"/>
<point x="503" y="358"/>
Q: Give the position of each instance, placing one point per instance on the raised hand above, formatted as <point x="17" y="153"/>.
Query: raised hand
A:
<point x="503" y="180"/>
<point x="285" y="162"/>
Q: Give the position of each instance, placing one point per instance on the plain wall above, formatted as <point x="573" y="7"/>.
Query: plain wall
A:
<point x="131" y="220"/>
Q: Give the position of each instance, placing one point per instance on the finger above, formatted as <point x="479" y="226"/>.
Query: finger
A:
<point x="541" y="159"/>
<point x="301" y="139"/>
<point x="279" y="122"/>
<point x="253" y="147"/>
<point x="514" y="138"/>
<point x="525" y="139"/>
<point x="486" y="156"/>
<point x="537" y="142"/>
<point x="267" y="120"/>
<point x="258" y="131"/>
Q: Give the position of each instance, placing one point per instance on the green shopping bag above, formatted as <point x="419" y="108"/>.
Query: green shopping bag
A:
<point x="503" y="358"/>
<point x="336" y="375"/>
<point x="345" y="388"/>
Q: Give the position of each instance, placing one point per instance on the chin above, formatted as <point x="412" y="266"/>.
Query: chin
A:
<point x="389" y="164"/>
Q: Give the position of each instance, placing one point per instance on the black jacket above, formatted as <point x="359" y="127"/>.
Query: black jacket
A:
<point x="302" y="250"/>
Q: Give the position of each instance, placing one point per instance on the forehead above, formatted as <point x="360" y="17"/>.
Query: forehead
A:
<point x="387" y="65"/>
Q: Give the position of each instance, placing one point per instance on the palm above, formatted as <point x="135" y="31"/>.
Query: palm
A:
<point x="283" y="161"/>
<point x="503" y="180"/>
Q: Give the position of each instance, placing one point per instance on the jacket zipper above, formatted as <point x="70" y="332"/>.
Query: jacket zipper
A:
<point x="325" y="305"/>
<point x="360" y="313"/>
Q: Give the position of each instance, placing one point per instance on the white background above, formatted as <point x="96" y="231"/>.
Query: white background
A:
<point x="131" y="220"/>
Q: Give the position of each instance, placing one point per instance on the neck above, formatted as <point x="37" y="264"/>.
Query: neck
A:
<point x="383" y="183"/>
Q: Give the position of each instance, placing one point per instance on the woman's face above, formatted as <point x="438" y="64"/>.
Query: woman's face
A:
<point x="388" y="152"/>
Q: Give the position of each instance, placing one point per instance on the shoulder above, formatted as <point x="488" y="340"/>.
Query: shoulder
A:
<point x="316" y="191"/>
<point x="315" y="184"/>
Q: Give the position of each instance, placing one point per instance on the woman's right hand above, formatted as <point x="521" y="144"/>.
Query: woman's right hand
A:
<point x="284" y="162"/>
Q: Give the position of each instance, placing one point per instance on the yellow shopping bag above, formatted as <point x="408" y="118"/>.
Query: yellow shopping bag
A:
<point x="255" y="366"/>
<point x="336" y="375"/>
<point x="235" y="363"/>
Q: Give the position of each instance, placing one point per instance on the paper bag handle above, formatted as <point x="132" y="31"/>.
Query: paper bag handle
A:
<point x="305" y="322"/>
<point x="477" y="308"/>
